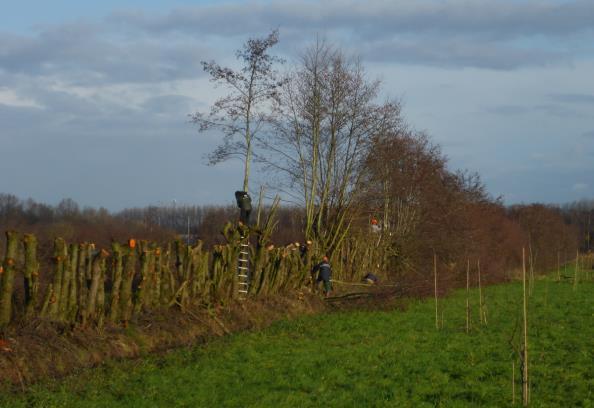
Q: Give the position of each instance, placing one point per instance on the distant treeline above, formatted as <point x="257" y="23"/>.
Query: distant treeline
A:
<point x="205" y="223"/>
<point x="68" y="221"/>
<point x="155" y="223"/>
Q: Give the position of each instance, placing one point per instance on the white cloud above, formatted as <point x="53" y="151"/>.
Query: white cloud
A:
<point x="9" y="97"/>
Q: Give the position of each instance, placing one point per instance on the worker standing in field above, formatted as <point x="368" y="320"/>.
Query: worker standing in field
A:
<point x="324" y="272"/>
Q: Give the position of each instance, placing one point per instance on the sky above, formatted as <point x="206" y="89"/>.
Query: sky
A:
<point x="95" y="96"/>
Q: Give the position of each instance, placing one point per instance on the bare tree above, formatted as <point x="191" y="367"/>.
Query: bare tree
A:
<point x="325" y="119"/>
<point x="242" y="113"/>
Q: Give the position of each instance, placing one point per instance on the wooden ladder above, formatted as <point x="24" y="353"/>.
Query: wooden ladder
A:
<point x="243" y="267"/>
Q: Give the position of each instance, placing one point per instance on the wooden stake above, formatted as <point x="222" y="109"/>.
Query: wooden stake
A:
<point x="468" y="296"/>
<point x="435" y="288"/>
<point x="525" y="389"/>
<point x="565" y="263"/>
<point x="577" y="267"/>
<point x="513" y="382"/>
<point x="482" y="312"/>
<point x="558" y="267"/>
<point x="546" y="296"/>
<point x="531" y="278"/>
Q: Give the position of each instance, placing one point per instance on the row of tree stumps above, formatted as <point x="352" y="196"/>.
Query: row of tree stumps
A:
<point x="85" y="285"/>
<point x="75" y="291"/>
<point x="88" y="285"/>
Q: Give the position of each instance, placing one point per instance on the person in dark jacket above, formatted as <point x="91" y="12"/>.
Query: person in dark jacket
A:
<point x="371" y="279"/>
<point x="324" y="272"/>
<point x="244" y="202"/>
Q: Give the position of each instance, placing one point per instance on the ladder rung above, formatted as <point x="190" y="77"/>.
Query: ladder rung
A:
<point x="244" y="245"/>
<point x="242" y="276"/>
<point x="243" y="291"/>
<point x="242" y="267"/>
<point x="243" y="283"/>
<point x="244" y="252"/>
<point x="244" y="260"/>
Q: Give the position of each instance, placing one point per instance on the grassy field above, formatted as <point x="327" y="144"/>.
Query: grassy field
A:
<point x="360" y="359"/>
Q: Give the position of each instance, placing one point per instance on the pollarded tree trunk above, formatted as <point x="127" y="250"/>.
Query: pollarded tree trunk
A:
<point x="181" y="265"/>
<point x="89" y="264"/>
<point x="167" y="278"/>
<point x="179" y="260"/>
<point x="144" y="285"/>
<point x="205" y="275"/>
<point x="7" y="277"/>
<point x="68" y="278"/>
<point x="217" y="272"/>
<point x="157" y="266"/>
<point x="198" y="270"/>
<point x="188" y="276"/>
<point x="227" y="287"/>
<point x="126" y="289"/>
<point x="118" y="267"/>
<point x="31" y="274"/>
<point x="95" y="292"/>
<point x="100" y="307"/>
<point x="81" y="279"/>
<point x="49" y="295"/>
<point x="72" y="295"/>
<point x="60" y="254"/>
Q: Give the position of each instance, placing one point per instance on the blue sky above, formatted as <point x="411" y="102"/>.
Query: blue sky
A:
<point x="94" y="96"/>
<point x="24" y="15"/>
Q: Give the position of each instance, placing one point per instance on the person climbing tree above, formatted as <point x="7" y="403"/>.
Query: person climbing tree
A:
<point x="244" y="202"/>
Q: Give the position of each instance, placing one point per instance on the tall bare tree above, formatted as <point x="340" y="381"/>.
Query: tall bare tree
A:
<point x="326" y="116"/>
<point x="242" y="113"/>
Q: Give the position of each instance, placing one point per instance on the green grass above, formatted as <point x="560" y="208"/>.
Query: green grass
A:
<point x="361" y="359"/>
